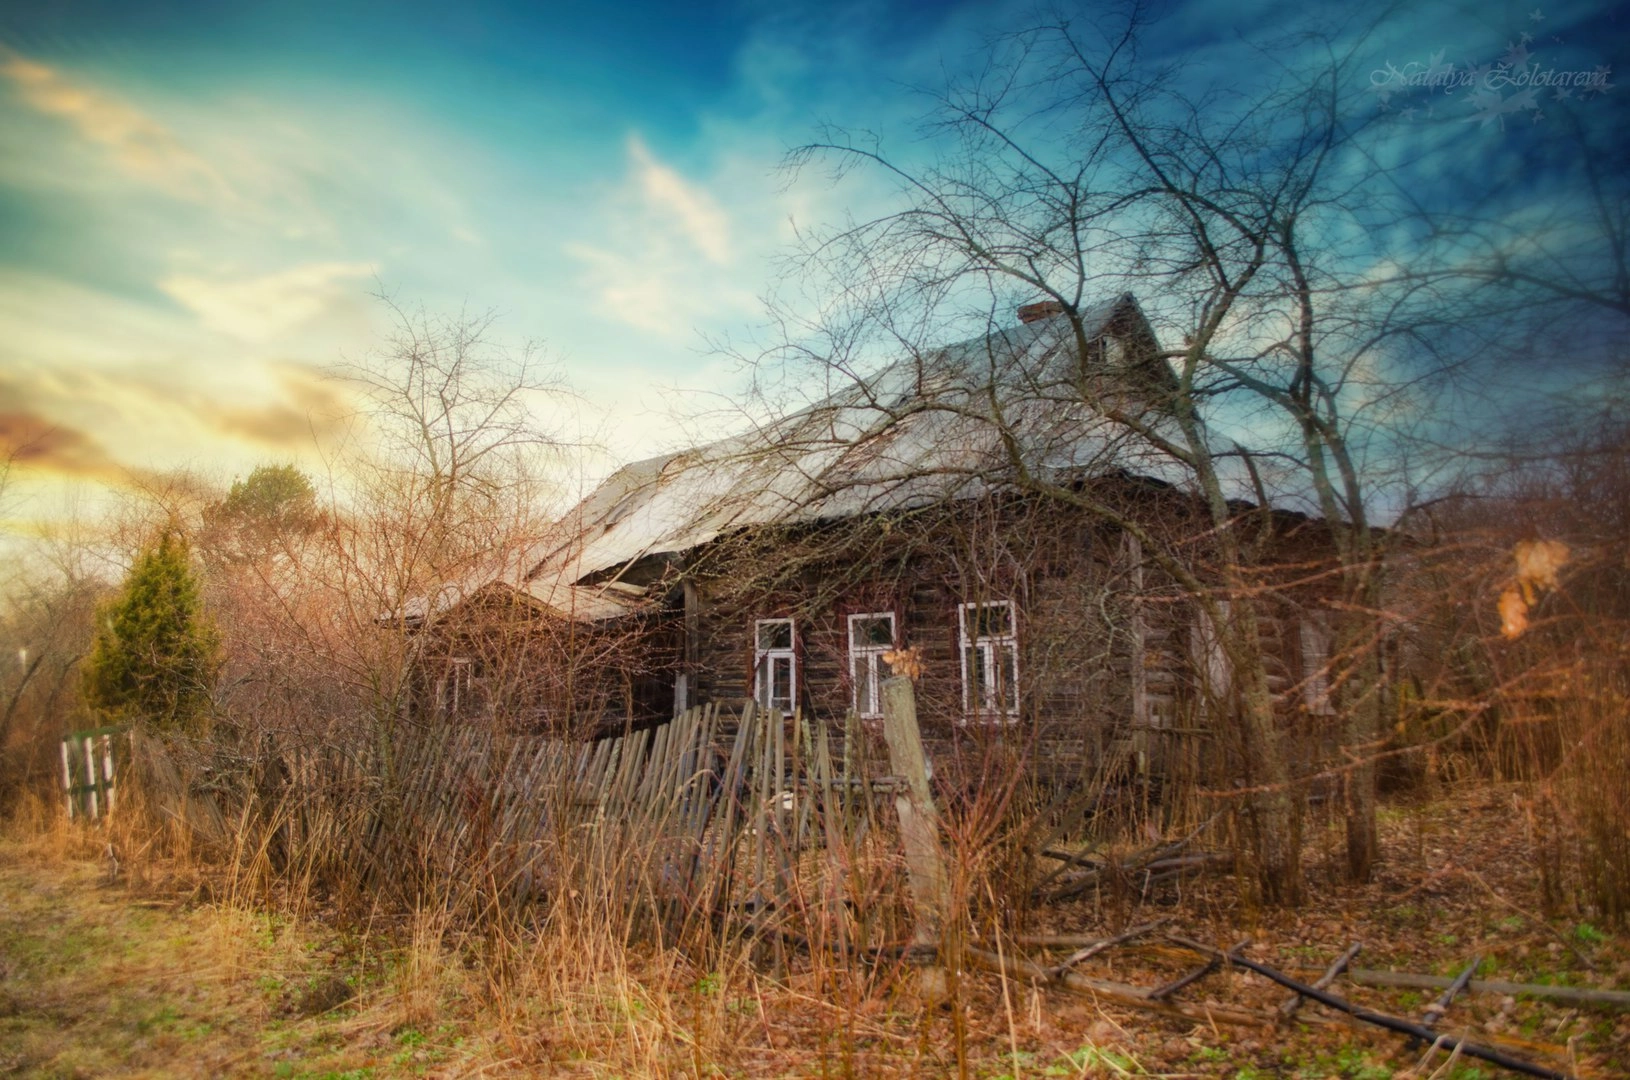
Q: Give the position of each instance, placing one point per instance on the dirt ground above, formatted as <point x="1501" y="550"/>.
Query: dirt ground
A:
<point x="103" y="977"/>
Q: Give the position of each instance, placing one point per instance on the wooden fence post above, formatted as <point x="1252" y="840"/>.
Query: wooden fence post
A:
<point x="919" y="826"/>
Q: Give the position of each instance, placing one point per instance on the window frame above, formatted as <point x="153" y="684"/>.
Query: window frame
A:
<point x="455" y="690"/>
<point x="988" y="647"/>
<point x="787" y="654"/>
<point x="872" y="656"/>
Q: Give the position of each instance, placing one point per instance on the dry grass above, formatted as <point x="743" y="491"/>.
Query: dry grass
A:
<point x="149" y="979"/>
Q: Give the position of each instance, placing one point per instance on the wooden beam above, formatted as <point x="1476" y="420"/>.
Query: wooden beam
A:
<point x="919" y="826"/>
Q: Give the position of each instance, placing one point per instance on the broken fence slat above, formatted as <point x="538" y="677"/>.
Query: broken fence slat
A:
<point x="1288" y="1007"/>
<point x="1391" y="1023"/>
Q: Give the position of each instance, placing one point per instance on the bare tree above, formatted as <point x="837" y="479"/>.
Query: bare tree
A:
<point x="1270" y="251"/>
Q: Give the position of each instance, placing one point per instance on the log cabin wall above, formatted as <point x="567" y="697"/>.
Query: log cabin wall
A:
<point x="1106" y="643"/>
<point x="522" y="669"/>
<point x="1108" y="661"/>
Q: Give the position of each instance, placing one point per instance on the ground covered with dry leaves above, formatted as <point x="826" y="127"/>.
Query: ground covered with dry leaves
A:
<point x="153" y="977"/>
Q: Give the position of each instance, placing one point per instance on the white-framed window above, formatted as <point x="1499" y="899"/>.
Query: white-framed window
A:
<point x="775" y="664"/>
<point x="457" y="689"/>
<point x="1314" y="632"/>
<point x="990" y="660"/>
<point x="870" y="636"/>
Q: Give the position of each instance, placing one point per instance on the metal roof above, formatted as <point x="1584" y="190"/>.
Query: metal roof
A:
<point x="934" y="426"/>
<point x="927" y="428"/>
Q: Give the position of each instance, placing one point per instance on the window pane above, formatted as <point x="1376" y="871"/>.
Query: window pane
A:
<point x="781" y="677"/>
<point x="995" y="620"/>
<point x="872" y="630"/>
<point x="775" y="634"/>
<point x="978" y="681"/>
<point x="1010" y="679"/>
<point x="864" y="701"/>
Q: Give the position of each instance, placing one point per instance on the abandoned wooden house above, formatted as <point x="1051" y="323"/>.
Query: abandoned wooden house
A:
<point x="957" y="516"/>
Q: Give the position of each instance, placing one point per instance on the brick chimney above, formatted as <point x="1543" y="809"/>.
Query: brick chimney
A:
<point x="1044" y="309"/>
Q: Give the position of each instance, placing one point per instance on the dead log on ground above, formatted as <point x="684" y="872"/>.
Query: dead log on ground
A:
<point x="1196" y="975"/>
<point x="1581" y="994"/>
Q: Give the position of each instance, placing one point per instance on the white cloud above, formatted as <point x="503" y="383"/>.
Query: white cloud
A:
<point x="662" y="259"/>
<point x="694" y="212"/>
<point x="259" y="308"/>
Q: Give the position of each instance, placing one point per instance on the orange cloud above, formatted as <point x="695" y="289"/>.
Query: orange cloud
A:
<point x="141" y="146"/>
<point x="312" y="407"/>
<point x="31" y="440"/>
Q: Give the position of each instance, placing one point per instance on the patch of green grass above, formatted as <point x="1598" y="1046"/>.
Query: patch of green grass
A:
<point x="1355" y="1065"/>
<point x="1089" y="1059"/>
<point x="1588" y="934"/>
<point x="163" y="1019"/>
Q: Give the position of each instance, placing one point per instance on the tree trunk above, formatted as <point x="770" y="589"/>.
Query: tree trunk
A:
<point x="1362" y="733"/>
<point x="1272" y="810"/>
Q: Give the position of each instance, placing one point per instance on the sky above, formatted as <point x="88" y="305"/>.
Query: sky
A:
<point x="200" y="202"/>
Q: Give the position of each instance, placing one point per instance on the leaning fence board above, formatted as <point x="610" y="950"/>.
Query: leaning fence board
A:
<point x="678" y="821"/>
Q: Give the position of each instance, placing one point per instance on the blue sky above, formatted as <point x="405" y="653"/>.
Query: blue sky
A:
<point x="197" y="200"/>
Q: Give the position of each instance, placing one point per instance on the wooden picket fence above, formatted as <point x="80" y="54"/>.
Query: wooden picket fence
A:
<point x="88" y="772"/>
<point x="714" y="816"/>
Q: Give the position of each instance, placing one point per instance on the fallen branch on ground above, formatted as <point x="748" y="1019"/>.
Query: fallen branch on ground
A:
<point x="1288" y="1007"/>
<point x="1093" y="948"/>
<point x="1391" y="1023"/>
<point x="1441" y="1005"/>
<point x="1118" y="993"/>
